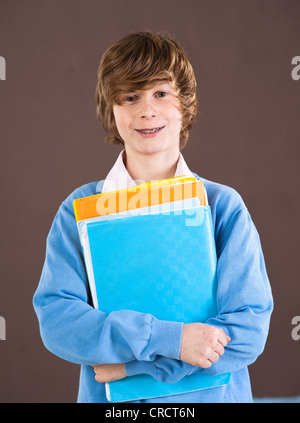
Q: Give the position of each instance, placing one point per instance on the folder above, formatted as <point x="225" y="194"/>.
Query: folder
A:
<point x="142" y="195"/>
<point x="159" y="259"/>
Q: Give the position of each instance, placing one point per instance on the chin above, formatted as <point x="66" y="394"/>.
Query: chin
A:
<point x="154" y="147"/>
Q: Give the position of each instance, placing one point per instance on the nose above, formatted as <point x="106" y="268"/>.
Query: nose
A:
<point x="148" y="109"/>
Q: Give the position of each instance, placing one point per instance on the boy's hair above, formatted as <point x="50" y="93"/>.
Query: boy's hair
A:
<point x="136" y="62"/>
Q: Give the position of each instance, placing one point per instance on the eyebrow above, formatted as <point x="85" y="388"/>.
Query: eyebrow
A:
<point x="156" y="86"/>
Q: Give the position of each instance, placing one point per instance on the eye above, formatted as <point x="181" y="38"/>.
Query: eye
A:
<point x="161" y="94"/>
<point x="129" y="99"/>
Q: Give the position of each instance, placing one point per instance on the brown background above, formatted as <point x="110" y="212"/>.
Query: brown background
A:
<point x="51" y="143"/>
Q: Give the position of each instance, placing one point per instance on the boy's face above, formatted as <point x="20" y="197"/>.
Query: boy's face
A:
<point x="149" y="120"/>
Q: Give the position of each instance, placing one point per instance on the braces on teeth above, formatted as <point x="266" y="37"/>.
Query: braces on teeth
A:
<point x="149" y="131"/>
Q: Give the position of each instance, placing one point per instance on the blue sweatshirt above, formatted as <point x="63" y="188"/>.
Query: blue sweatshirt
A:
<point x="73" y="330"/>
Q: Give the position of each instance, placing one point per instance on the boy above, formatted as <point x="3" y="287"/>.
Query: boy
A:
<point x="147" y="102"/>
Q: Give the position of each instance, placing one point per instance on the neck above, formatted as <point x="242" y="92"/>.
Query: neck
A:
<point x="146" y="168"/>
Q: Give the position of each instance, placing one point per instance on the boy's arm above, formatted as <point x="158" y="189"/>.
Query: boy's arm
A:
<point x="75" y="331"/>
<point x="201" y="345"/>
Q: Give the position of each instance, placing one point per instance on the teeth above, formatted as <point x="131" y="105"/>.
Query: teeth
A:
<point x="149" y="131"/>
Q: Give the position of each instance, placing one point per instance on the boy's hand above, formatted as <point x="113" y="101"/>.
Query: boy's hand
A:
<point x="201" y="344"/>
<point x="109" y="372"/>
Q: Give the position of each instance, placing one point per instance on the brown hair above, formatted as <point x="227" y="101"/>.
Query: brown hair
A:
<point x="137" y="61"/>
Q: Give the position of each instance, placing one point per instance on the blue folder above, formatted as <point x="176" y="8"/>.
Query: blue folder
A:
<point x="163" y="264"/>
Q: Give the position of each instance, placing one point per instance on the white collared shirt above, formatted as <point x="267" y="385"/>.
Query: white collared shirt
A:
<point x="119" y="178"/>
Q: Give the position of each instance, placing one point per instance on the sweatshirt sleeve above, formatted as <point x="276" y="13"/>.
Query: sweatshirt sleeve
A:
<point x="72" y="329"/>
<point x="244" y="302"/>
<point x="244" y="296"/>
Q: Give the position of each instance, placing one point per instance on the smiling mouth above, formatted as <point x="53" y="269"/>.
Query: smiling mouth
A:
<point x="150" y="131"/>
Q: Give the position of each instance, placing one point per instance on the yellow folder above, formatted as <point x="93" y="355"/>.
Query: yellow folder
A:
<point x="143" y="195"/>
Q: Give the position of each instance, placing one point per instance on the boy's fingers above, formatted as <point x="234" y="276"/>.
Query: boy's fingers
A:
<point x="224" y="339"/>
<point x="219" y="349"/>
